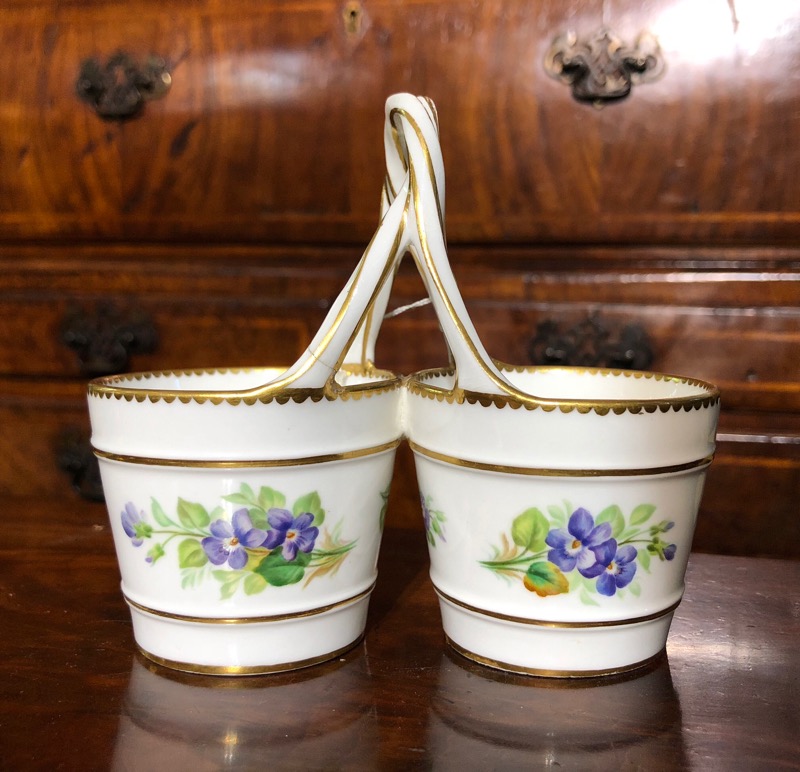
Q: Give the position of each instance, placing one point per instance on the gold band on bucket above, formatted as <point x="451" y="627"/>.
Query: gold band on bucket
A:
<point x="247" y="670"/>
<point x="537" y="472"/>
<point x="558" y="625"/>
<point x="247" y="620"/>
<point x="248" y="463"/>
<point x="545" y="673"/>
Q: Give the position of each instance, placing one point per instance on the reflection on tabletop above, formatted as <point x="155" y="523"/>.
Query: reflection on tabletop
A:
<point x="495" y="720"/>
<point x="174" y="721"/>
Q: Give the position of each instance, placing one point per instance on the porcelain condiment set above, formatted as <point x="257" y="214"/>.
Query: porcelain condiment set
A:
<point x="247" y="506"/>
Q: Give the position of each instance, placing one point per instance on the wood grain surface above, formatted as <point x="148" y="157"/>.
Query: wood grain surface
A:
<point x="229" y="212"/>
<point x="271" y="129"/>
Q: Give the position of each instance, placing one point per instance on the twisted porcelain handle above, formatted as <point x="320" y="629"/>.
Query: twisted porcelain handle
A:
<point x="416" y="138"/>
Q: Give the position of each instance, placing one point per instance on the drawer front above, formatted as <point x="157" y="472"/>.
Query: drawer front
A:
<point x="744" y="336"/>
<point x="271" y="127"/>
<point x="103" y="335"/>
<point x="97" y="311"/>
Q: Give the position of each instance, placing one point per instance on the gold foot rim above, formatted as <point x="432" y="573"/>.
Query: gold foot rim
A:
<point x="248" y="670"/>
<point x="496" y="664"/>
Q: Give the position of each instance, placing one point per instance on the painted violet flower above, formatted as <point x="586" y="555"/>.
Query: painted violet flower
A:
<point x="615" y="567"/>
<point x="426" y="514"/>
<point x="134" y="525"/>
<point x="574" y="546"/>
<point x="293" y="533"/>
<point x="228" y="540"/>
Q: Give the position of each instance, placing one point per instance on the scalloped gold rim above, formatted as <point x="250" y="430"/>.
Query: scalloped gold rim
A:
<point x="108" y="388"/>
<point x="416" y="384"/>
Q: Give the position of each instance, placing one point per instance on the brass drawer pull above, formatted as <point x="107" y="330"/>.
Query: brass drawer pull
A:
<point x="118" y="89"/>
<point x="589" y="343"/>
<point x="75" y="457"/>
<point x="601" y="68"/>
<point x="104" y="337"/>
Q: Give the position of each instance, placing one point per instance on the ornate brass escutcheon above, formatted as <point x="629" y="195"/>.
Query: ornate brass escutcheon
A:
<point x="118" y="89"/>
<point x="601" y="68"/>
<point x="590" y="343"/>
<point x="104" y="337"/>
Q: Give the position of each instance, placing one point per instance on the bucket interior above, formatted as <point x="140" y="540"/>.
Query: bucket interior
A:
<point x="587" y="384"/>
<point x="580" y="384"/>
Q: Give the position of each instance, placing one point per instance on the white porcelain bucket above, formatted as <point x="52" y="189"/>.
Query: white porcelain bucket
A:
<point x="559" y="503"/>
<point x="247" y="506"/>
<point x="247" y="534"/>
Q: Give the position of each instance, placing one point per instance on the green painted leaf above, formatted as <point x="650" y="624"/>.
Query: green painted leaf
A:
<point x="229" y="581"/>
<point x="614" y="516"/>
<point x="586" y="598"/>
<point x="278" y="571"/>
<point x="191" y="554"/>
<point x="530" y="529"/>
<point x="269" y="498"/>
<point x="156" y="552"/>
<point x="642" y="513"/>
<point x="558" y="515"/>
<point x="254" y="584"/>
<point x="635" y="588"/>
<point x="142" y="530"/>
<point x="191" y="577"/>
<point x="310" y="503"/>
<point x="238" y="498"/>
<point x="192" y="515"/>
<point x="545" y="579"/>
<point x="644" y="559"/>
<point x="259" y="518"/>
<point x="159" y="515"/>
<point x="384" y="507"/>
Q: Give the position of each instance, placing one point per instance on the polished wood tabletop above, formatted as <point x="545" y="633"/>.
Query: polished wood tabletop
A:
<point x="75" y="695"/>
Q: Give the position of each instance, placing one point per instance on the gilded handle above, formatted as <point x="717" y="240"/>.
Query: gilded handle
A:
<point x="118" y="89"/>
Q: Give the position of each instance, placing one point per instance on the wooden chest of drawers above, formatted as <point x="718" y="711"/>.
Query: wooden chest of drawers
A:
<point x="205" y="204"/>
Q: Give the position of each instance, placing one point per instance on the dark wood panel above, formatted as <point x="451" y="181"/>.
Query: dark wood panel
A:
<point x="255" y="307"/>
<point x="209" y="334"/>
<point x="272" y="127"/>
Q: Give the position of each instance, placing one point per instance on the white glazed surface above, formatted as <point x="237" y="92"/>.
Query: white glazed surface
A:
<point x="173" y="471"/>
<point x="565" y="440"/>
<point x="158" y="428"/>
<point x="480" y="508"/>
<point x="492" y="474"/>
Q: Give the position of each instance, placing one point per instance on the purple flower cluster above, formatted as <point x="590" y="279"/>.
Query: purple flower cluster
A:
<point x="229" y="542"/>
<point x="134" y="525"/>
<point x="591" y="549"/>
